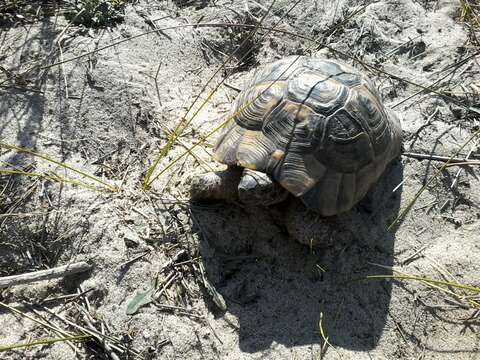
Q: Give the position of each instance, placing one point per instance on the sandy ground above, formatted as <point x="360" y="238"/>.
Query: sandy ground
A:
<point x="107" y="113"/>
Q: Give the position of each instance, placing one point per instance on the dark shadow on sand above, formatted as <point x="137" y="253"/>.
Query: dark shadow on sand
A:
<point x="277" y="288"/>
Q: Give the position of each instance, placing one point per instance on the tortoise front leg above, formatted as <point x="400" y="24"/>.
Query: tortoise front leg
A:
<point x="250" y="187"/>
<point x="218" y="185"/>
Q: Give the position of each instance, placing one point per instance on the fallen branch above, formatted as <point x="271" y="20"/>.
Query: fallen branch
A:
<point x="53" y="273"/>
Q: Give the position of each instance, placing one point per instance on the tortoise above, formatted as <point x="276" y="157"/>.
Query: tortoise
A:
<point x="309" y="127"/>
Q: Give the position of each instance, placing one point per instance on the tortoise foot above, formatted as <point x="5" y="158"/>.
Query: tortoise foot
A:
<point x="218" y="185"/>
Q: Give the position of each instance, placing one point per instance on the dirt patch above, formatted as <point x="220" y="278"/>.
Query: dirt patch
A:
<point x="106" y="100"/>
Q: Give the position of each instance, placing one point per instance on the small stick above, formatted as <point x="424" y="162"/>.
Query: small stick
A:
<point x="65" y="297"/>
<point x="170" y="279"/>
<point x="399" y="185"/>
<point x="186" y="262"/>
<point x="53" y="273"/>
<point x="230" y="86"/>
<point x="435" y="157"/>
<point x="179" y="310"/>
<point x="102" y="338"/>
<point x="138" y="257"/>
<point x="467" y="158"/>
<point x="415" y="254"/>
<point x="40" y="322"/>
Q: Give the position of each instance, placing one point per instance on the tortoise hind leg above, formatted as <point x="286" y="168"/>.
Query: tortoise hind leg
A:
<point x="309" y="228"/>
<point x="257" y="188"/>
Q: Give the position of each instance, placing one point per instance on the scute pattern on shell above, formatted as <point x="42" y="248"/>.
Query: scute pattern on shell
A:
<point x="317" y="126"/>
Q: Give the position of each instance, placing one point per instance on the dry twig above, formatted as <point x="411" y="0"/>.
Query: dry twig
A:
<point x="49" y="274"/>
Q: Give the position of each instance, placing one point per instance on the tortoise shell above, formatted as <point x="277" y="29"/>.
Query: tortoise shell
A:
<point x="317" y="126"/>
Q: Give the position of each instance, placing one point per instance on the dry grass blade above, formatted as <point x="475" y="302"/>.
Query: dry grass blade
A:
<point x="425" y="280"/>
<point x="326" y="339"/>
<point x="63" y="165"/>
<point x="44" y="342"/>
<point x="44" y="324"/>
<point x="446" y="286"/>
<point x="439" y="170"/>
<point x="465" y="163"/>
<point x="53" y="177"/>
<point x="433" y="157"/>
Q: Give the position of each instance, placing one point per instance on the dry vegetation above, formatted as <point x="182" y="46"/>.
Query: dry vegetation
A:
<point x="108" y="106"/>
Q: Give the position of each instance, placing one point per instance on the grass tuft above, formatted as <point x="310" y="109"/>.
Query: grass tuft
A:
<point x="469" y="11"/>
<point x="13" y="12"/>
<point x="95" y="13"/>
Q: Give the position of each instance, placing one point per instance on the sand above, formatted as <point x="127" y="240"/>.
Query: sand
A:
<point x="108" y="113"/>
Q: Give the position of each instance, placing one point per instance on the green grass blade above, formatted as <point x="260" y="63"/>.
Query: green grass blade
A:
<point x="63" y="165"/>
<point x="53" y="177"/>
<point x="44" y="342"/>
<point x="322" y="331"/>
<point x="427" y="280"/>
